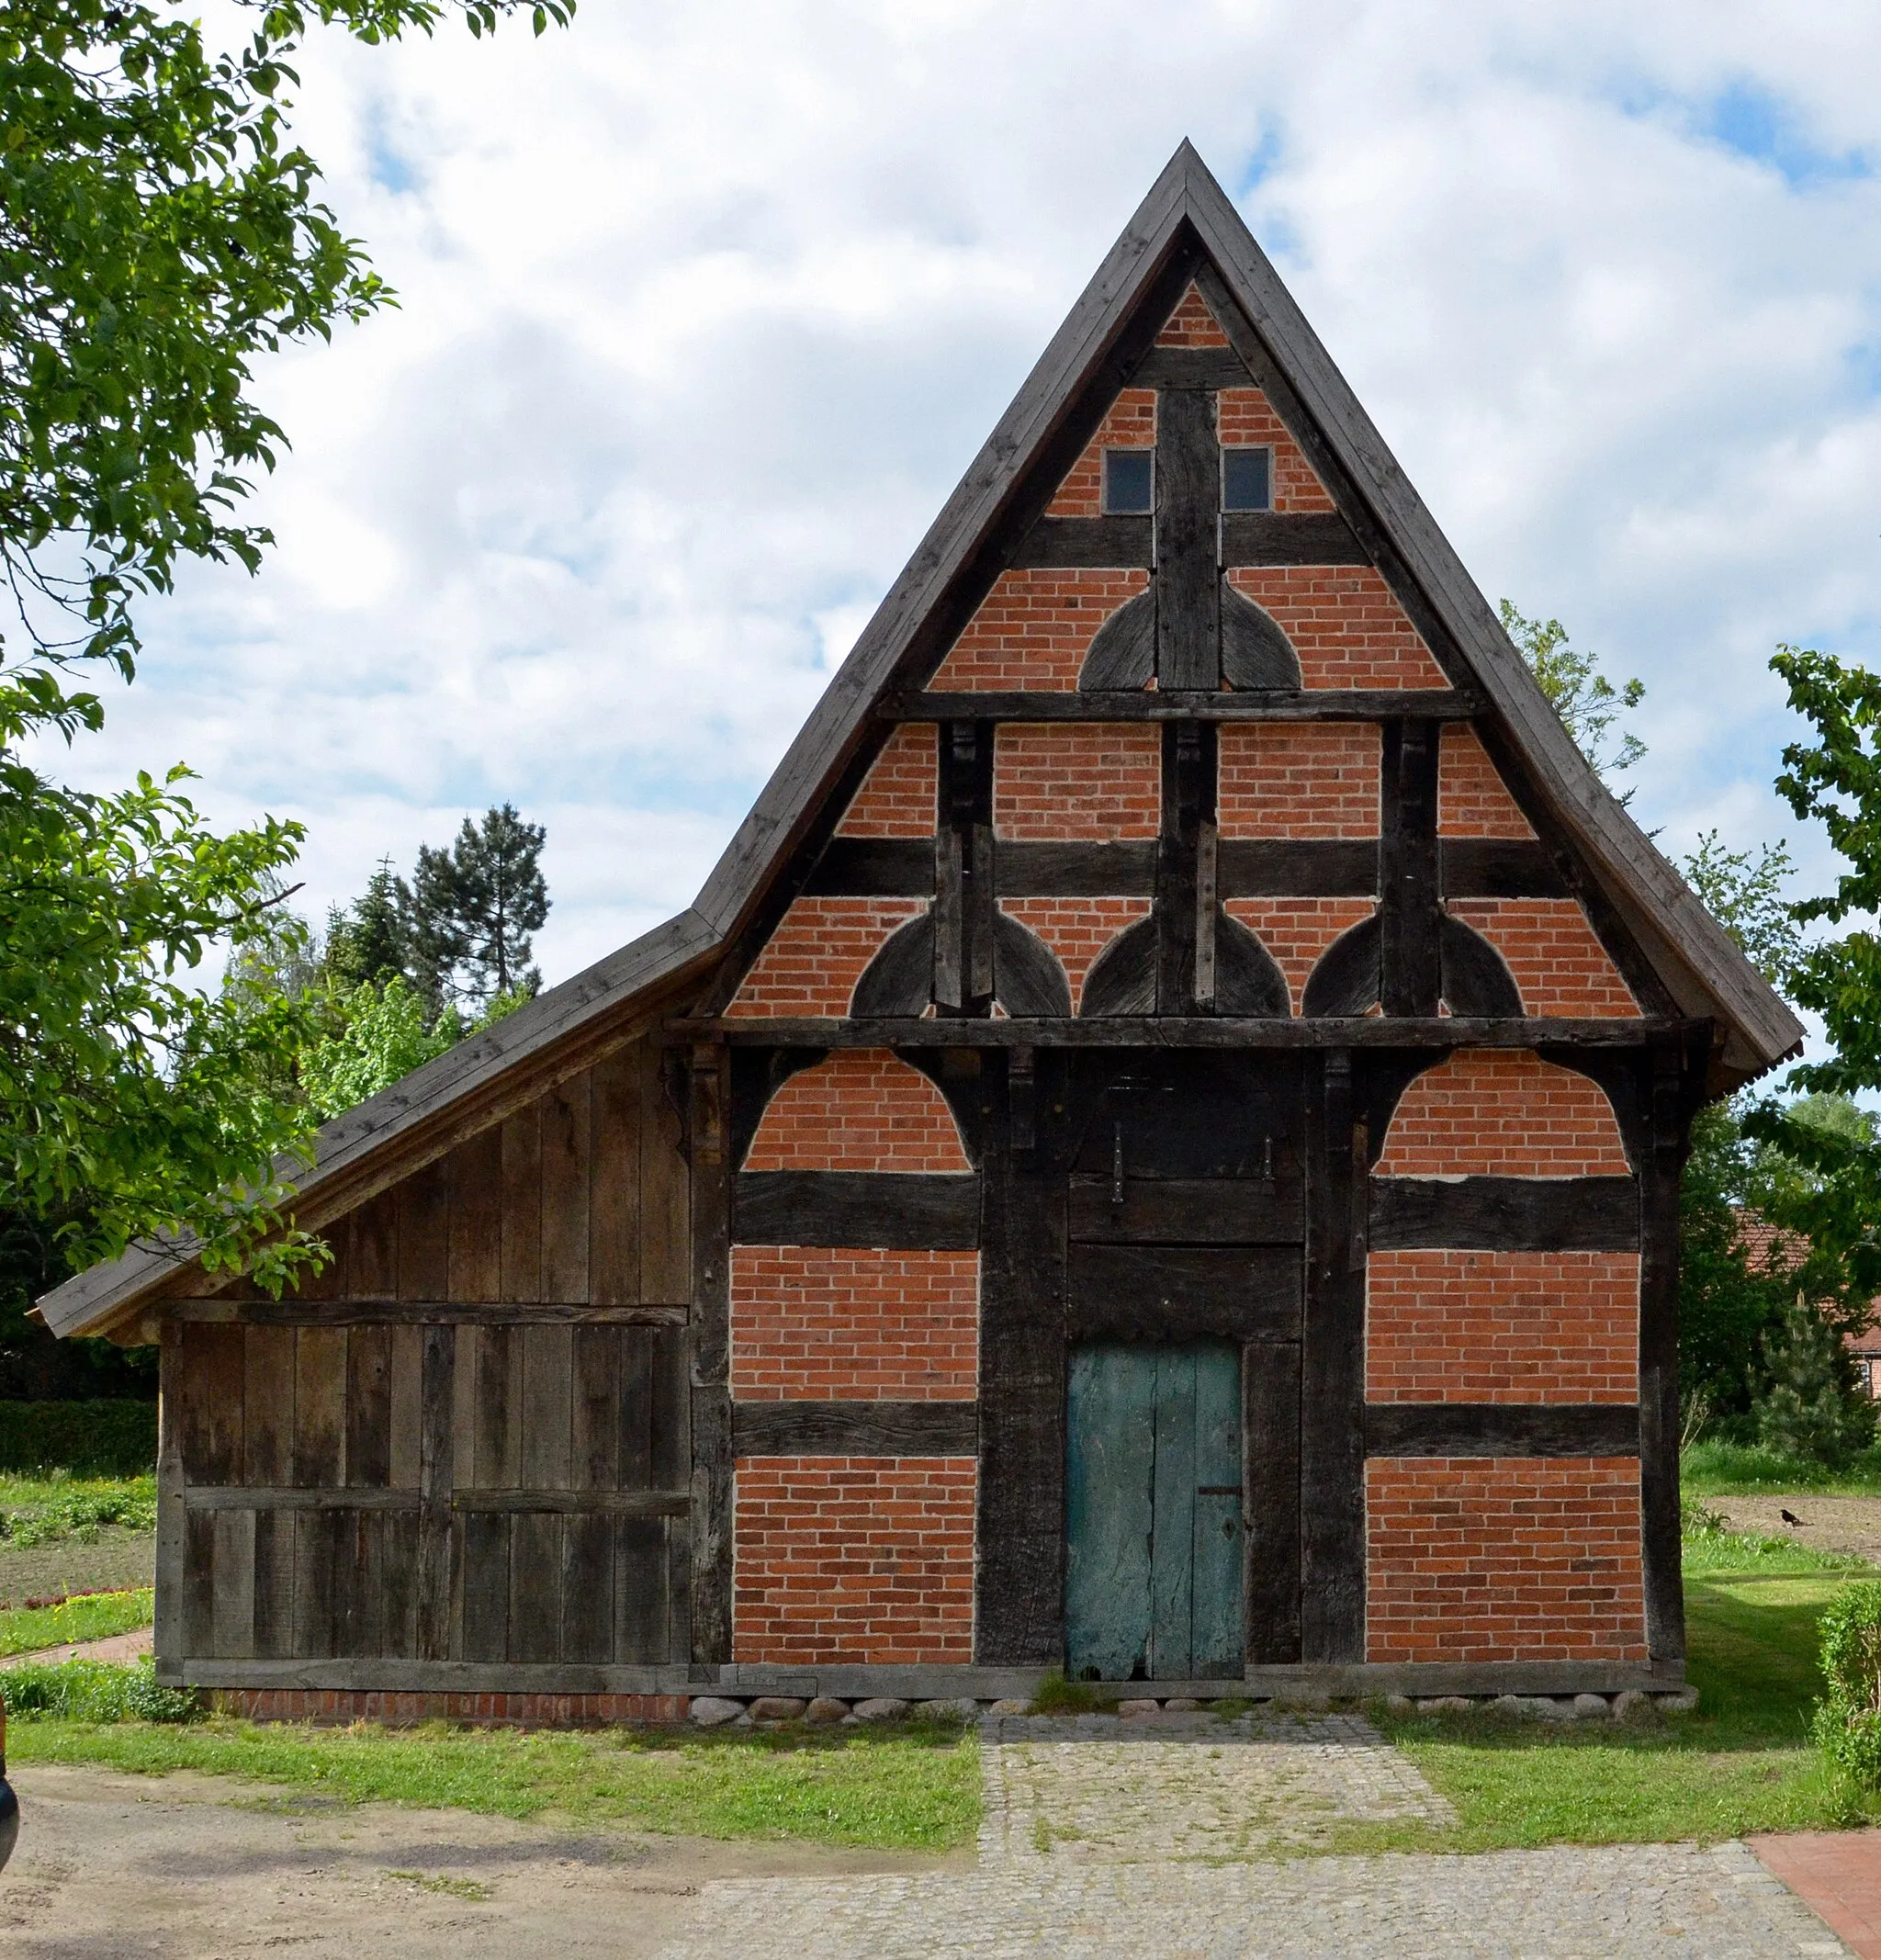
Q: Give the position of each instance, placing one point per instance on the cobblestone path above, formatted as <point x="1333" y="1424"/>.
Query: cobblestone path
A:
<point x="1168" y="1839"/>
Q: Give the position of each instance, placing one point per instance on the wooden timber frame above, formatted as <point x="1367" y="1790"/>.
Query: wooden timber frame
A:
<point x="493" y="1448"/>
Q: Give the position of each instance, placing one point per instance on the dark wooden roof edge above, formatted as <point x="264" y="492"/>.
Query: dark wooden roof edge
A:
<point x="1680" y="936"/>
<point x="1702" y="965"/>
<point x="113" y="1289"/>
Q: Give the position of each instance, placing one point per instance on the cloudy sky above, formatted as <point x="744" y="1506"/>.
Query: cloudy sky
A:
<point x="705" y="307"/>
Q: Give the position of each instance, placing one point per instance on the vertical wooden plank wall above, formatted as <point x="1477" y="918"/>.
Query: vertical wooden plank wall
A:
<point x="433" y="1451"/>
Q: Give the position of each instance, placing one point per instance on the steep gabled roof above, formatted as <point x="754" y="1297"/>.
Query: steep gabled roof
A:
<point x="1184" y="227"/>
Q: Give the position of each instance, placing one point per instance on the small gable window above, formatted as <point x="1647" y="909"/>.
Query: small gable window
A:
<point x="1129" y="482"/>
<point x="1247" y="479"/>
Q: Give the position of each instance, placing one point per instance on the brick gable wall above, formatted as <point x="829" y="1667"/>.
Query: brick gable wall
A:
<point x="1130" y="423"/>
<point x="811" y="964"/>
<point x="1472" y="800"/>
<point x="1033" y="630"/>
<point x="1345" y="622"/>
<point x="899" y="794"/>
<point x="1560" y="966"/>
<point x="1245" y="417"/>
<point x="1297" y="932"/>
<point x="1077" y="930"/>
<point x="1298" y="779"/>
<point x="1090" y="779"/>
<point x="1502" y="1113"/>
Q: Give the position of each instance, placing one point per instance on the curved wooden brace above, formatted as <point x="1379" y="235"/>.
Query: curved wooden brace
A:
<point x="1476" y="978"/>
<point x="899" y="981"/>
<point x="1255" y="651"/>
<point x="1029" y="979"/>
<point x="1345" y="978"/>
<point x="1123" y="655"/>
<point x="1123" y="978"/>
<point x="1248" y="979"/>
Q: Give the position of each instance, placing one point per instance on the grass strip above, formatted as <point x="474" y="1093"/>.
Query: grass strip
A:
<point x="49" y="1510"/>
<point x="1731" y="1469"/>
<point x="92" y="1617"/>
<point x="913" y="1788"/>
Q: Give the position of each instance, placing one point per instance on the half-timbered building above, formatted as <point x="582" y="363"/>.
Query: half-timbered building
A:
<point x="1155" y="1152"/>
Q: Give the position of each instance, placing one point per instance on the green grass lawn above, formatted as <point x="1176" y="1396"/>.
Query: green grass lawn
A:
<point x="1742" y="1762"/>
<point x="913" y="1788"/>
<point x="64" y="1534"/>
<point x="1726" y="1470"/>
<point x="23" y="1630"/>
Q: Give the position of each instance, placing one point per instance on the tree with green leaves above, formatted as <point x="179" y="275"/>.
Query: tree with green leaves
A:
<point x="367" y="944"/>
<point x="471" y="909"/>
<point x="1589" y="705"/>
<point x="1835" y="780"/>
<point x="160" y="231"/>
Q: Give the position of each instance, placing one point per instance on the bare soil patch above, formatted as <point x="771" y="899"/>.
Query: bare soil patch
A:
<point x="117" y="1561"/>
<point x="111" y="1867"/>
<point x="1828" y="1524"/>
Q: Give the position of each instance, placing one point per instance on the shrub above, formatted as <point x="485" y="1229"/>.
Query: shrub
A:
<point x="49" y="1513"/>
<point x="1847" y="1724"/>
<point x="116" y="1438"/>
<point x="95" y="1691"/>
<point x="1812" y="1408"/>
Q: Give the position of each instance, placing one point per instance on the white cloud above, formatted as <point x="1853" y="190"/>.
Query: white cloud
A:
<point x="705" y="310"/>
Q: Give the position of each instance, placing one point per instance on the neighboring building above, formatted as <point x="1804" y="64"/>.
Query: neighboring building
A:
<point x="1155" y="1151"/>
<point x="1759" y="1237"/>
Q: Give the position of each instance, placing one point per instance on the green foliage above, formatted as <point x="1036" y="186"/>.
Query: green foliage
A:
<point x="93" y="1691"/>
<point x="1812" y="1406"/>
<point x="132" y="1104"/>
<point x="1587" y="702"/>
<point x="88" y="1617"/>
<point x="384" y="1033"/>
<point x="1714" y="1468"/>
<point x="367" y="944"/>
<point x="113" y="1439"/>
<point x="1057" y="1696"/>
<point x="1836" y="780"/>
<point x="1742" y="890"/>
<point x="34" y="1365"/>
<point x="49" y="1510"/>
<point x="468" y="913"/>
<point x="1847" y="1725"/>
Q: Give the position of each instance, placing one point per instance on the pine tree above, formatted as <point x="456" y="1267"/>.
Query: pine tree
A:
<point x="469" y="911"/>
<point x="1813" y="1408"/>
<point x="366" y="943"/>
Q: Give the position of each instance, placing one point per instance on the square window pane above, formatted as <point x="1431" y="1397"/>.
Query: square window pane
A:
<point x="1247" y="479"/>
<point x="1129" y="481"/>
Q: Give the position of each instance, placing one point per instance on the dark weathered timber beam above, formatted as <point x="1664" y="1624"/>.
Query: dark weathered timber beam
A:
<point x="1087" y="543"/>
<point x="1501" y="1429"/>
<point x="855" y="1428"/>
<point x="1324" y="703"/>
<point x="904" y="1211"/>
<point x="1505" y="1214"/>
<point x="1371" y="1030"/>
<point x="1123" y="1292"/>
<point x="1283" y="537"/>
<point x="1247" y="867"/>
<point x="1248" y="538"/>
<point x="1187" y="1212"/>
<point x="1492" y="867"/>
<point x="1206" y="368"/>
<point x="421" y="1312"/>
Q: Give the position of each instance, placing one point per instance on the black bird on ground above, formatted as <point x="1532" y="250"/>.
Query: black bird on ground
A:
<point x="1789" y="1517"/>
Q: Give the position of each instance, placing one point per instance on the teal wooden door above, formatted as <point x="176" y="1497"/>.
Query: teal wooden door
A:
<point x="1153" y="1583"/>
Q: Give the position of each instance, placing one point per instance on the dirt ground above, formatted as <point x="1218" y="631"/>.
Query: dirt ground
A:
<point x="1828" y="1524"/>
<point x="191" y="1868"/>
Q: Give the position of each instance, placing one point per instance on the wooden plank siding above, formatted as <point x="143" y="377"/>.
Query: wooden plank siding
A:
<point x="467" y="1440"/>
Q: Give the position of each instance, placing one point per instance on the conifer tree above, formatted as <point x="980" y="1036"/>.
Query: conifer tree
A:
<point x="471" y="910"/>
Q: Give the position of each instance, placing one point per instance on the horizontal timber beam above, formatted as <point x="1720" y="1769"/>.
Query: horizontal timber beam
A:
<point x="1248" y="538"/>
<point x="1501" y="1429"/>
<point x="297" y="1497"/>
<point x="1124" y="1031"/>
<point x="1247" y="867"/>
<point x="855" y="1428"/>
<point x="428" y="1312"/>
<point x="1505" y="1214"/>
<point x="901" y="1211"/>
<point x="1319" y="703"/>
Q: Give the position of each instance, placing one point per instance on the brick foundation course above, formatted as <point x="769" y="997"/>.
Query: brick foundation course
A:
<point x="400" y="1708"/>
<point x="1503" y="1558"/>
<point x="1501" y="1327"/>
<point x="1094" y="781"/>
<point x="1557" y="963"/>
<point x="811" y="964"/>
<point x="815" y="1322"/>
<point x="854" y="1560"/>
<point x="1502" y="1113"/>
<point x="864" y="1109"/>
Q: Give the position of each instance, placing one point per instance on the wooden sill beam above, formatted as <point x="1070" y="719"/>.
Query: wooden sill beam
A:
<point x="1319" y="703"/>
<point x="1371" y="1030"/>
